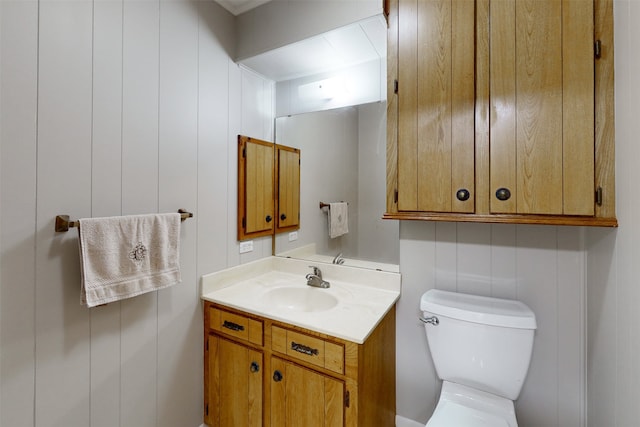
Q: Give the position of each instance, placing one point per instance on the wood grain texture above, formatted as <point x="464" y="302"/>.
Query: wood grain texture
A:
<point x="392" y="106"/>
<point x="578" y="138"/>
<point x="502" y="91"/>
<point x="539" y="107"/>
<point x="407" y="134"/>
<point x="367" y="373"/>
<point x="463" y="104"/>
<point x="482" y="109"/>
<point x="605" y="110"/>
<point x="287" y="197"/>
<point x="507" y="219"/>
<point x="434" y="109"/>
<point x="256" y="182"/>
<point x="521" y="141"/>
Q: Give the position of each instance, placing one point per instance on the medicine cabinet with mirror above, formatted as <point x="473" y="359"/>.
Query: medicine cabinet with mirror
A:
<point x="337" y="119"/>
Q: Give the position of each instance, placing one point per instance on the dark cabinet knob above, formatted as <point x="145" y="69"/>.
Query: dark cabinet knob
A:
<point x="463" y="194"/>
<point x="254" y="367"/>
<point x="277" y="376"/>
<point x="268" y="218"/>
<point x="283" y="217"/>
<point x="503" y="194"/>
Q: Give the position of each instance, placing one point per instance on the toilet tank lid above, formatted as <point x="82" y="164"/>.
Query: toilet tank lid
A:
<point x="478" y="309"/>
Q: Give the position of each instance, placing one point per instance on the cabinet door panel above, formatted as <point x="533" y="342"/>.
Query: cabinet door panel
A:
<point x="288" y="188"/>
<point x="303" y="397"/>
<point x="256" y="178"/>
<point x="436" y="105"/>
<point x="259" y="187"/>
<point x="235" y="391"/>
<point x="542" y="135"/>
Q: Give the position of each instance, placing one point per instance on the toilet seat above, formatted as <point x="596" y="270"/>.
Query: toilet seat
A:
<point x="465" y="406"/>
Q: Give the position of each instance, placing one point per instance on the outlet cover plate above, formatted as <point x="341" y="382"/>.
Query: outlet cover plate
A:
<point x="246" y="246"/>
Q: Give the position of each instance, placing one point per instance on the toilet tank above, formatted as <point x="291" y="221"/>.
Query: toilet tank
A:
<point x="480" y="342"/>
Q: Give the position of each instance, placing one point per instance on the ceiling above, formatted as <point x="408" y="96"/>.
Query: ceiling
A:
<point x="344" y="47"/>
<point x="237" y="7"/>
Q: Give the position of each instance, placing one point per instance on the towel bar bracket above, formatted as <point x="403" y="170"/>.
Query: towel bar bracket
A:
<point x="63" y="224"/>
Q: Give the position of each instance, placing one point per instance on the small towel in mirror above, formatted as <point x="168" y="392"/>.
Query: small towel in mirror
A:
<point x="338" y="217"/>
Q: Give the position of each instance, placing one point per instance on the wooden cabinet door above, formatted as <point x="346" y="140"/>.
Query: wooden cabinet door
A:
<point x="542" y="107"/>
<point x="302" y="397"/>
<point x="255" y="187"/>
<point x="436" y="101"/>
<point x="234" y="384"/>
<point x="288" y="199"/>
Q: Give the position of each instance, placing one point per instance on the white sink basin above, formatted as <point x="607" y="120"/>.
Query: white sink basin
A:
<point x="300" y="298"/>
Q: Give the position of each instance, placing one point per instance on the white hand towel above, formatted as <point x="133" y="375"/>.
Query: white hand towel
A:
<point x="338" y="216"/>
<point x="125" y="256"/>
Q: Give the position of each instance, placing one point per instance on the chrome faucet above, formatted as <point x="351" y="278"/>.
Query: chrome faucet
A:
<point x="338" y="259"/>
<point x="315" y="279"/>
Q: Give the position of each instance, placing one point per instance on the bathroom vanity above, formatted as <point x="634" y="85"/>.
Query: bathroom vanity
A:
<point x="280" y="353"/>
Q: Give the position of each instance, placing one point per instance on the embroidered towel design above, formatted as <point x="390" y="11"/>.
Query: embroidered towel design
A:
<point x="121" y="257"/>
<point x="338" y="217"/>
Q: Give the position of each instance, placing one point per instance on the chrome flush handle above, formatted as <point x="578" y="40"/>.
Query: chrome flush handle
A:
<point x="433" y="320"/>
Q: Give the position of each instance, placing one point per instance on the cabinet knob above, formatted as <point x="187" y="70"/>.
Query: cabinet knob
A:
<point x="268" y="218"/>
<point x="503" y="194"/>
<point x="463" y="194"/>
<point x="254" y="367"/>
<point x="283" y="217"/>
<point x="277" y="376"/>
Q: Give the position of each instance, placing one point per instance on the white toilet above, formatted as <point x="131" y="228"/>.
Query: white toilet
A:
<point x="481" y="348"/>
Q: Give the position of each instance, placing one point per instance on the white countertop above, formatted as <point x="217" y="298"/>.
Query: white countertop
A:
<point x="364" y="296"/>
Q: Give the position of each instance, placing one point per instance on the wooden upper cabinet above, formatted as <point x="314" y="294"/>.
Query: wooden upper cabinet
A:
<point x="542" y="107"/>
<point x="288" y="188"/>
<point x="255" y="188"/>
<point x="436" y="54"/>
<point x="499" y="111"/>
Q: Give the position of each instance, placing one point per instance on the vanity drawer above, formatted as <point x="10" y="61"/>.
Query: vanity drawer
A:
<point x="316" y="351"/>
<point x="236" y="325"/>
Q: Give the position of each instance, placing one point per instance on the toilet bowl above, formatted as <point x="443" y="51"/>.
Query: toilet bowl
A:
<point x="481" y="348"/>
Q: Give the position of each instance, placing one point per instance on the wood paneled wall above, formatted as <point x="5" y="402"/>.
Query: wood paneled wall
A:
<point x="543" y="266"/>
<point x="110" y="108"/>
<point x="613" y="290"/>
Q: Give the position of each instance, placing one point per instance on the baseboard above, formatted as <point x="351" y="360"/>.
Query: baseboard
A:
<point x="406" y="422"/>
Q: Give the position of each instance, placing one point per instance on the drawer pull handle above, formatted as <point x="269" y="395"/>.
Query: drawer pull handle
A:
<point x="301" y="348"/>
<point x="254" y="367"/>
<point x="232" y="326"/>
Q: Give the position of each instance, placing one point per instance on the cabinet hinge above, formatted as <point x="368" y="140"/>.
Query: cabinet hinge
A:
<point x="244" y="223"/>
<point x="395" y="86"/>
<point x="599" y="196"/>
<point x="395" y="196"/>
<point x="206" y="409"/>
<point x="347" y="398"/>
<point x="597" y="49"/>
<point x="244" y="152"/>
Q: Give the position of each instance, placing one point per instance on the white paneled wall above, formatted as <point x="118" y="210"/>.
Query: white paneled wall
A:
<point x="114" y="107"/>
<point x="539" y="265"/>
<point x="613" y="285"/>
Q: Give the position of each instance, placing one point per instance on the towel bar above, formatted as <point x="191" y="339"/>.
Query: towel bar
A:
<point x="325" y="205"/>
<point x="63" y="223"/>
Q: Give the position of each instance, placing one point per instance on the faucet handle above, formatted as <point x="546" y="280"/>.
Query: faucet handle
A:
<point x="316" y="271"/>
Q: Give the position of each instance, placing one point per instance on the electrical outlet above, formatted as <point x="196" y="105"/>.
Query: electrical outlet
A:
<point x="246" y="247"/>
<point x="293" y="236"/>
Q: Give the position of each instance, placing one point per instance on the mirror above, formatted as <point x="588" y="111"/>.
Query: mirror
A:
<point x="331" y="104"/>
<point x="344" y="152"/>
